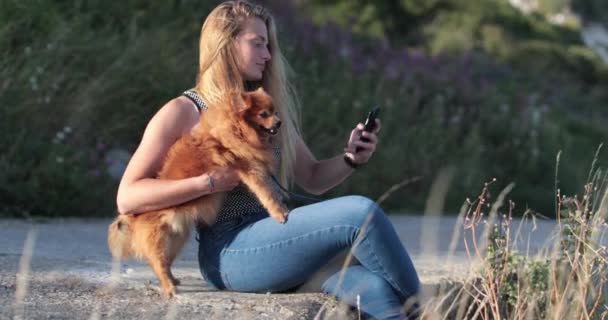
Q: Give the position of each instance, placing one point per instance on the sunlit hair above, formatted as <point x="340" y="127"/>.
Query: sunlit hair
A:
<point x="219" y="73"/>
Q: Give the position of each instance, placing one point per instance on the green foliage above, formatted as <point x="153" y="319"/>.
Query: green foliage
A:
<point x="520" y="281"/>
<point x="103" y="69"/>
<point x="553" y="6"/>
<point x="452" y="27"/>
<point x="391" y="19"/>
<point x="592" y="10"/>
<point x="99" y="69"/>
<point x="546" y="96"/>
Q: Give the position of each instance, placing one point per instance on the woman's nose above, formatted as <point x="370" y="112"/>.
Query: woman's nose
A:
<point x="266" y="54"/>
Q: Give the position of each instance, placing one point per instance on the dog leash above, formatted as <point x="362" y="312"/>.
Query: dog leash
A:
<point x="295" y="195"/>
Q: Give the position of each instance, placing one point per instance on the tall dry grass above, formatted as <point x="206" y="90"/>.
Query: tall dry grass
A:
<point x="566" y="280"/>
<point x="23" y="275"/>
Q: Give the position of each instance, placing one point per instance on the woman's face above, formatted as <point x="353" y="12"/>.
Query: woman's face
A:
<point x="252" y="48"/>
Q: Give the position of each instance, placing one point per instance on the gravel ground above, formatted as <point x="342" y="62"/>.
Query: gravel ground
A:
<point x="70" y="275"/>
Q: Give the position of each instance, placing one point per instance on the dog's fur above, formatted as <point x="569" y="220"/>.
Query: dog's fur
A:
<point x="233" y="135"/>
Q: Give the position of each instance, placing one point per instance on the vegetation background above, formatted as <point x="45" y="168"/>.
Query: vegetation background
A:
<point x="477" y="85"/>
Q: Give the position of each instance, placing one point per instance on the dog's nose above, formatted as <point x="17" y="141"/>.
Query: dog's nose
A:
<point x="278" y="125"/>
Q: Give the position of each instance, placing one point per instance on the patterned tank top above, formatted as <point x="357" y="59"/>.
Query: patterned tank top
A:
<point x="239" y="201"/>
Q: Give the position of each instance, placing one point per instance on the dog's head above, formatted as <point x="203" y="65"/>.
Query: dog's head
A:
<point x="259" y="112"/>
<point x="241" y="117"/>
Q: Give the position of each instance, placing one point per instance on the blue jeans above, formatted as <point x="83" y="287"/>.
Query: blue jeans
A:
<point x="258" y="254"/>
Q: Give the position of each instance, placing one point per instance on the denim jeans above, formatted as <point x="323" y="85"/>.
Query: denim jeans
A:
<point x="258" y="254"/>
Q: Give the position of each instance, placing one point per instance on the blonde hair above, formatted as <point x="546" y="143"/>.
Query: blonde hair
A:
<point x="219" y="74"/>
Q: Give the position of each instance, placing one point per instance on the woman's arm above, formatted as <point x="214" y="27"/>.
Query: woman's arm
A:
<point x="317" y="177"/>
<point x="139" y="191"/>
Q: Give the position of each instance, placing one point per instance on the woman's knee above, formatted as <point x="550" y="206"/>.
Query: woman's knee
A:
<point x="363" y="210"/>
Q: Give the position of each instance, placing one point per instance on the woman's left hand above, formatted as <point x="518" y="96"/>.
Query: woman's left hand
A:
<point x="367" y="148"/>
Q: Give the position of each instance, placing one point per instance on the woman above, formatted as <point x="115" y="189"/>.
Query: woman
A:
<point x="246" y="250"/>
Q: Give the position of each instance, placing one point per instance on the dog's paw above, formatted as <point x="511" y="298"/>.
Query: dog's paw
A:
<point x="175" y="281"/>
<point x="169" y="291"/>
<point x="281" y="216"/>
<point x="283" y="219"/>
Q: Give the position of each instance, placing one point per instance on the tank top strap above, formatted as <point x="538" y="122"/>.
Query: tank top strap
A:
<point x="196" y="98"/>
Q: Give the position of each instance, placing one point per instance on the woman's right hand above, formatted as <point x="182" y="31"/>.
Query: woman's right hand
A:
<point x="224" y="179"/>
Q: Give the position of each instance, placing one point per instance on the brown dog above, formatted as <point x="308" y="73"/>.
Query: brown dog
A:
<point x="232" y="135"/>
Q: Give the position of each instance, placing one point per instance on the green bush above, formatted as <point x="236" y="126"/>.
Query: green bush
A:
<point x="454" y="27"/>
<point x="101" y="70"/>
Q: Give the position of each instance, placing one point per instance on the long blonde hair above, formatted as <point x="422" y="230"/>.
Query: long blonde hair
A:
<point x="219" y="73"/>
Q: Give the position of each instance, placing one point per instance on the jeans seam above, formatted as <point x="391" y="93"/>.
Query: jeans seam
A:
<point x="280" y="243"/>
<point x="382" y="269"/>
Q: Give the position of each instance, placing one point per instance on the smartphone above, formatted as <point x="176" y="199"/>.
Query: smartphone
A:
<point x="370" y="124"/>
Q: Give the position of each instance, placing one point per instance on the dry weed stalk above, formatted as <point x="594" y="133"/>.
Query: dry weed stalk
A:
<point x="22" y="285"/>
<point x="568" y="283"/>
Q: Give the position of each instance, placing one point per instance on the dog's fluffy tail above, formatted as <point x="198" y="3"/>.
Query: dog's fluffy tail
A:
<point x="119" y="237"/>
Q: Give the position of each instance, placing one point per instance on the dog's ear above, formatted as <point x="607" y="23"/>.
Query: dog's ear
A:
<point x="245" y="103"/>
<point x="260" y="90"/>
<point x="261" y="97"/>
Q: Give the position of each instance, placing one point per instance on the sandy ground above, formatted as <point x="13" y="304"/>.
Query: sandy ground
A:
<point x="70" y="274"/>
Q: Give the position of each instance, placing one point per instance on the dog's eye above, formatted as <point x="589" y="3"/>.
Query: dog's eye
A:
<point x="265" y="114"/>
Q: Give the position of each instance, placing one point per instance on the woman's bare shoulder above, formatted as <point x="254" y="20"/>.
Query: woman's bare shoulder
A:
<point x="174" y="119"/>
<point x="178" y="115"/>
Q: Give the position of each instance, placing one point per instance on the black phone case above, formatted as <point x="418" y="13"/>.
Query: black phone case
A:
<point x="370" y="124"/>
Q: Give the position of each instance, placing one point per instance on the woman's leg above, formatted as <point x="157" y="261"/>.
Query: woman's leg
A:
<point x="268" y="256"/>
<point x="377" y="298"/>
